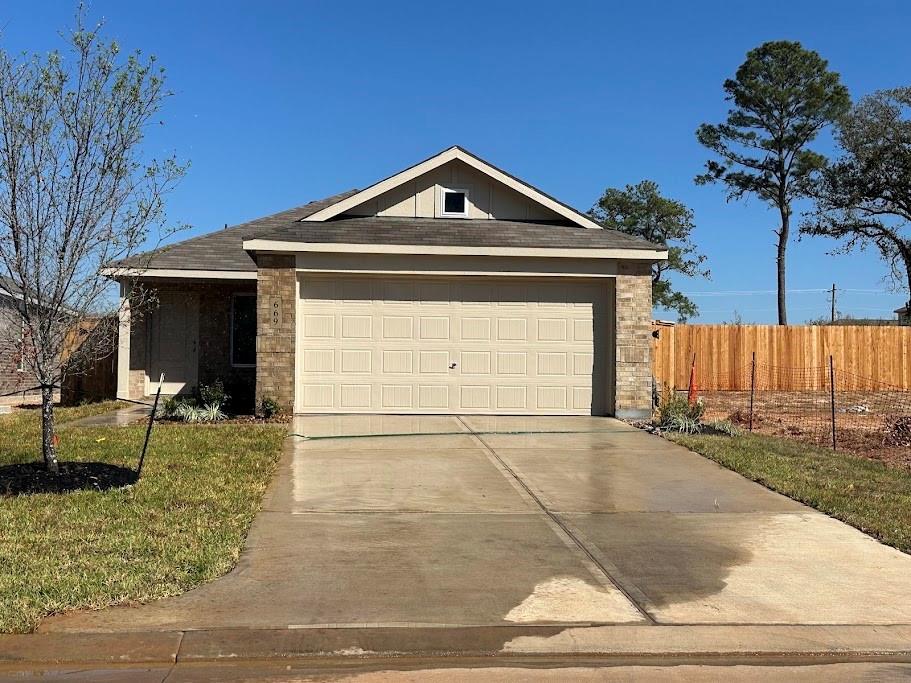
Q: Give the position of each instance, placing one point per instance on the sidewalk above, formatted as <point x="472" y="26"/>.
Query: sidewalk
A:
<point x="114" y="418"/>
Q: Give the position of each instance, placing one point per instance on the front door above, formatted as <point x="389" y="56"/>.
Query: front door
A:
<point x="174" y="342"/>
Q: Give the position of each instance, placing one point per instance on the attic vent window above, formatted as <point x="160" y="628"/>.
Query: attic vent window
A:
<point x="454" y="203"/>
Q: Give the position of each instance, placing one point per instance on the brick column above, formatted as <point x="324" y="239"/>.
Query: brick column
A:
<point x="633" y="393"/>
<point x="276" y="303"/>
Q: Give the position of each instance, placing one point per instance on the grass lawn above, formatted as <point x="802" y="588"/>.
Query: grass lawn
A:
<point x="182" y="524"/>
<point x="863" y="493"/>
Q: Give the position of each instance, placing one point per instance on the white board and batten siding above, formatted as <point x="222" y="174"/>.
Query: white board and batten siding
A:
<point x="466" y="345"/>
<point x="487" y="198"/>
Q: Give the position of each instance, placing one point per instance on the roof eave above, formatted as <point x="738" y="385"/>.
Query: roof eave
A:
<point x="282" y="246"/>
<point x="177" y="273"/>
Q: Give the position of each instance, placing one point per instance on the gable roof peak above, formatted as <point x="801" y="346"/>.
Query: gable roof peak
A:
<point x="449" y="154"/>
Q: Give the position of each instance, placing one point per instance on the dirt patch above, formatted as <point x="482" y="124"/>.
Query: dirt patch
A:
<point x="873" y="425"/>
<point x="32" y="477"/>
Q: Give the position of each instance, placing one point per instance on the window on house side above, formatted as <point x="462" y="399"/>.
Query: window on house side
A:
<point x="243" y="330"/>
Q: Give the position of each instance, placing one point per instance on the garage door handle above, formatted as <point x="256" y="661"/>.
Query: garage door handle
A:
<point x="452" y="366"/>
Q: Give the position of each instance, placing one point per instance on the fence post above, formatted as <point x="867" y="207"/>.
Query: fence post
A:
<point x="832" y="392"/>
<point x="752" y="387"/>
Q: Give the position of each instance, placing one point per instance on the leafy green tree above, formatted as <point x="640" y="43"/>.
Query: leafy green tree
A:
<point x="864" y="198"/>
<point x="783" y="96"/>
<point x="641" y="211"/>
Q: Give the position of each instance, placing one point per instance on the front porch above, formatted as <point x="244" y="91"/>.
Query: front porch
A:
<point x="195" y="332"/>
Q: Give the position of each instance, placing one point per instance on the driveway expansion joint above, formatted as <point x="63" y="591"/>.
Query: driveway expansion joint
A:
<point x="631" y="592"/>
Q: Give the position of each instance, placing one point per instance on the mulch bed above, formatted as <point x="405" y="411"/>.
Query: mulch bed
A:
<point x="32" y="477"/>
<point x="234" y="420"/>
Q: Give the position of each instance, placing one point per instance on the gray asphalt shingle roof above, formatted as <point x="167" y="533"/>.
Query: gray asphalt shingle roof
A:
<point x="452" y="232"/>
<point x="223" y="250"/>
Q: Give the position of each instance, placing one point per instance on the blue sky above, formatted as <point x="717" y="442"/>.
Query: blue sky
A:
<point x="277" y="103"/>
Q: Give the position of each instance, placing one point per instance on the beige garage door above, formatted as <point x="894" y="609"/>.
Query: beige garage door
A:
<point x="461" y="345"/>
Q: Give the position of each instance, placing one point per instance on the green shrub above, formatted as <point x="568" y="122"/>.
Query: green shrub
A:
<point x="677" y="414"/>
<point x="211" y="413"/>
<point x="188" y="412"/>
<point x="173" y="406"/>
<point x="683" y="424"/>
<point x="269" y="407"/>
<point x="213" y="394"/>
<point x="674" y="405"/>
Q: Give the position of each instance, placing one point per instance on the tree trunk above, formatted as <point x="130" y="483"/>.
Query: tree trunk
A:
<point x="782" y="248"/>
<point x="907" y="258"/>
<point x="48" y="447"/>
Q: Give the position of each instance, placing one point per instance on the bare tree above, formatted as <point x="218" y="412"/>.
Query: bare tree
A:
<point x="76" y="196"/>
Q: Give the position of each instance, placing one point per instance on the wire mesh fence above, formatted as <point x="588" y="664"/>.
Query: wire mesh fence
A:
<point x="824" y="405"/>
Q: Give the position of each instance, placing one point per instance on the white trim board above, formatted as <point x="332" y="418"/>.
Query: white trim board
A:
<point x="180" y="273"/>
<point x="404" y="264"/>
<point x="451" y="154"/>
<point x="281" y="246"/>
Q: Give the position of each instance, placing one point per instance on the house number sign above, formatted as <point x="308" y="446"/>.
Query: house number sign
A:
<point x="275" y="310"/>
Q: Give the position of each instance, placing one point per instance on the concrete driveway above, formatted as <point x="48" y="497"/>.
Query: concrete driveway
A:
<point x="392" y="521"/>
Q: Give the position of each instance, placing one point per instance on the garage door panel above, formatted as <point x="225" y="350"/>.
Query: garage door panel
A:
<point x="512" y="398"/>
<point x="512" y="362"/>
<point x="474" y="363"/>
<point x="474" y="397"/>
<point x="512" y="330"/>
<point x="355" y="396"/>
<point x="582" y="330"/>
<point x="433" y="396"/>
<point x="551" y="398"/>
<point x="396" y="397"/>
<point x="551" y="363"/>
<point x="319" y="360"/>
<point x="319" y="326"/>
<point x="443" y="346"/>
<point x="475" y="329"/>
<point x="357" y="327"/>
<point x="436" y="327"/>
<point x="552" y="329"/>
<point x="398" y="361"/>
<point x="434" y="363"/>
<point x="398" y="327"/>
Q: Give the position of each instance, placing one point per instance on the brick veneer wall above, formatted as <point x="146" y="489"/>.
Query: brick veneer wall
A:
<point x="633" y="391"/>
<point x="275" y="331"/>
<point x="10" y="377"/>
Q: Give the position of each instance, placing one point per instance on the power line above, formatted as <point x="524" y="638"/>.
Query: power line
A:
<point x="760" y="292"/>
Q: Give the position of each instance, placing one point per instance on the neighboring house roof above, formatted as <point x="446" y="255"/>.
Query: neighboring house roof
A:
<point x="451" y="232"/>
<point x="223" y="250"/>
<point x="9" y="288"/>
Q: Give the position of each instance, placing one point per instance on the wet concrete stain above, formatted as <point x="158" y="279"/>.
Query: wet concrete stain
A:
<point x="670" y="558"/>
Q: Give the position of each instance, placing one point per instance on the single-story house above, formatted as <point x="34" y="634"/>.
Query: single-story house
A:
<point x="449" y="287"/>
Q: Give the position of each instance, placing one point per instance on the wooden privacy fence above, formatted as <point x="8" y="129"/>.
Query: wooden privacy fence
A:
<point x="724" y="353"/>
